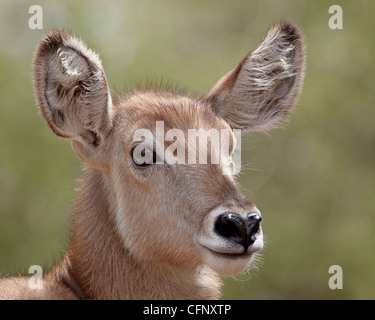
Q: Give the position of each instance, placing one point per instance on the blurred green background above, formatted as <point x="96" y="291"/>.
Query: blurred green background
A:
<point x="314" y="181"/>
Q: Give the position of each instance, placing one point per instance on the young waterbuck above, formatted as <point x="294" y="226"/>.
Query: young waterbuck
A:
<point x="150" y="229"/>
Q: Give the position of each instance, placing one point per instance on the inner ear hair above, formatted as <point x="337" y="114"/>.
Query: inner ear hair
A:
<point x="71" y="88"/>
<point x="261" y="91"/>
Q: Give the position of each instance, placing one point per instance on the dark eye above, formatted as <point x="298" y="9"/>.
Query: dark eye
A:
<point x="143" y="156"/>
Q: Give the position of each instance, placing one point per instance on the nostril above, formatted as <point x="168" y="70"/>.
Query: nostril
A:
<point x="253" y="219"/>
<point x="232" y="226"/>
<point x="225" y="228"/>
<point x="252" y="226"/>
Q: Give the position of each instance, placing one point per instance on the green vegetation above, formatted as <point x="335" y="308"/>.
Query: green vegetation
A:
<point x="314" y="181"/>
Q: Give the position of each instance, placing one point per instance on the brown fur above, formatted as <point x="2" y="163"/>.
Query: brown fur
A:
<point x="137" y="233"/>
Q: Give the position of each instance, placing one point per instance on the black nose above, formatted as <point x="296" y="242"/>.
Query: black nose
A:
<point x="232" y="226"/>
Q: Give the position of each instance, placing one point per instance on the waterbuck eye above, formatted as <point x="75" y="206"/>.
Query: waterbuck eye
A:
<point x="142" y="156"/>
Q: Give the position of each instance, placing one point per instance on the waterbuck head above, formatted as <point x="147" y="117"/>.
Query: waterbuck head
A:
<point x="164" y="158"/>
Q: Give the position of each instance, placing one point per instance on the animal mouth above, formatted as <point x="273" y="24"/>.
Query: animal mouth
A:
<point x="229" y="255"/>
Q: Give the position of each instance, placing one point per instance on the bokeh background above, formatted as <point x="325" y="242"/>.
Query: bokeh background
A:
<point x="314" y="181"/>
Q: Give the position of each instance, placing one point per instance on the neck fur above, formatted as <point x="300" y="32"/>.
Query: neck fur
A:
<point x="98" y="266"/>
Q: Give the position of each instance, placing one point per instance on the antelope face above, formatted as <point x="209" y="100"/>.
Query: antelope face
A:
<point x="167" y="204"/>
<point x="176" y="204"/>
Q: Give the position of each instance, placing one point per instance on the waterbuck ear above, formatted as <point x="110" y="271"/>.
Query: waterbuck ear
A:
<point x="72" y="90"/>
<point x="261" y="91"/>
